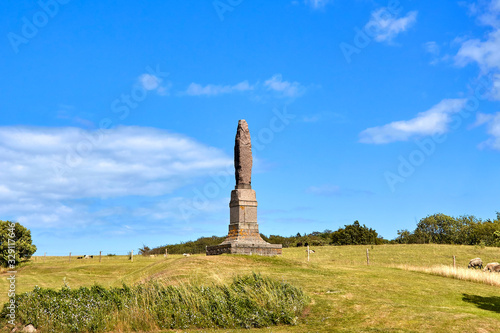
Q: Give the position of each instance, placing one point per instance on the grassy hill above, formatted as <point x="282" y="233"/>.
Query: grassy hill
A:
<point x="347" y="295"/>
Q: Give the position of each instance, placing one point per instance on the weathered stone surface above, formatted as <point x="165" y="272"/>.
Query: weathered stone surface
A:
<point x="29" y="329"/>
<point x="243" y="156"/>
<point x="243" y="236"/>
<point x="265" y="249"/>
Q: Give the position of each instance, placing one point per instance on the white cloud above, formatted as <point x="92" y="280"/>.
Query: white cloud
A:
<point x="275" y="85"/>
<point x="385" y="26"/>
<point x="492" y="122"/>
<point x="153" y="82"/>
<point x="317" y="4"/>
<point x="487" y="12"/>
<point x="149" y="81"/>
<point x="311" y="119"/>
<point x="284" y="88"/>
<point x="48" y="173"/>
<point x="433" y="121"/>
<point x="195" y="89"/>
<point x="432" y="48"/>
<point x="485" y="53"/>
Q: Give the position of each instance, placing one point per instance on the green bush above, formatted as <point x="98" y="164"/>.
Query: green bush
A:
<point x="249" y="301"/>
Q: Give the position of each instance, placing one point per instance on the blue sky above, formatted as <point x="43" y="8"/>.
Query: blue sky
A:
<point x="118" y="119"/>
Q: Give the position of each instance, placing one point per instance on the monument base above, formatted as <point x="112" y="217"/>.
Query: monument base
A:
<point x="243" y="236"/>
<point x="261" y="248"/>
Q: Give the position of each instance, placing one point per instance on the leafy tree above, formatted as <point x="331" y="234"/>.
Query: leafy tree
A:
<point x="15" y="244"/>
<point x="355" y="234"/>
<point x="404" y="236"/>
<point x="144" y="250"/>
<point x="438" y="228"/>
<point x="443" y="229"/>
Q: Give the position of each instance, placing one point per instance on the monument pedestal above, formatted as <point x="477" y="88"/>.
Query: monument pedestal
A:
<point x="243" y="236"/>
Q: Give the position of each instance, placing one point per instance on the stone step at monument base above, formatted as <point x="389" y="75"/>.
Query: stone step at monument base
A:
<point x="259" y="248"/>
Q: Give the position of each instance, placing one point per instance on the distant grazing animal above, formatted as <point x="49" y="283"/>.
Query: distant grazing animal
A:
<point x="496" y="268"/>
<point x="79" y="258"/>
<point x="186" y="254"/>
<point x="311" y="251"/>
<point x="476" y="262"/>
<point x="489" y="266"/>
<point x="152" y="255"/>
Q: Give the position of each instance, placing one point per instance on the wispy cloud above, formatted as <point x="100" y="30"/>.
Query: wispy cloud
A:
<point x="195" y="89"/>
<point x="436" y="120"/>
<point x="485" y="53"/>
<point x="317" y="4"/>
<point x="312" y="118"/>
<point x="434" y="50"/>
<point x="152" y="82"/>
<point x="284" y="88"/>
<point x="122" y="162"/>
<point x="385" y="27"/>
<point x="276" y="85"/>
<point x="492" y="122"/>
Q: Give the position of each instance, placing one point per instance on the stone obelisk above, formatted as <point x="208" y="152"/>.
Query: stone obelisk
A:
<point x="243" y="236"/>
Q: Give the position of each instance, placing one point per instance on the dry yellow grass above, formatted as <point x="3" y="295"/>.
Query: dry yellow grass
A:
<point x="459" y="273"/>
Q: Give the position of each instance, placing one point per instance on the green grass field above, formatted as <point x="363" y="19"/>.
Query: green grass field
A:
<point x="347" y="295"/>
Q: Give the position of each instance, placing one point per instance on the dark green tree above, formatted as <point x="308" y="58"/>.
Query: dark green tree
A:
<point x="404" y="236"/>
<point x="355" y="234"/>
<point x="437" y="228"/>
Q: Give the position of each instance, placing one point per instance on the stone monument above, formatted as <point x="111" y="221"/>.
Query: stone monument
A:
<point x="243" y="236"/>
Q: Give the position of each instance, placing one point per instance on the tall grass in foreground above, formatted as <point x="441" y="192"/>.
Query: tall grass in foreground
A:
<point x="457" y="273"/>
<point x="249" y="301"/>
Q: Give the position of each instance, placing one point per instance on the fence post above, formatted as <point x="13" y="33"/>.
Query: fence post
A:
<point x="307" y="252"/>
<point x="454" y="266"/>
<point x="132" y="255"/>
<point x="69" y="260"/>
<point x="44" y="256"/>
<point x="166" y="252"/>
<point x="100" y="256"/>
<point x="367" y="257"/>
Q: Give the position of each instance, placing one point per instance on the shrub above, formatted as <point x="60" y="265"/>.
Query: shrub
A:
<point x="249" y="301"/>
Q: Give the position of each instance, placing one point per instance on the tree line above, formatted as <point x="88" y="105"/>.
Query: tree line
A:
<point x="432" y="229"/>
<point x="436" y="229"/>
<point x="444" y="229"/>
<point x="353" y="234"/>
